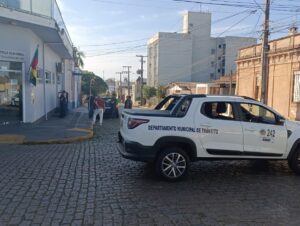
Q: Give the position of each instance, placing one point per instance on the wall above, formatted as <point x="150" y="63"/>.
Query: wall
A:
<point x="284" y="60"/>
<point x="174" y="58"/>
<point x="233" y="44"/>
<point x="202" y="45"/>
<point x="22" y="39"/>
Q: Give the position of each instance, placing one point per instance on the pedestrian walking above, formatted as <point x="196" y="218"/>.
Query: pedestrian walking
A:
<point x="91" y="106"/>
<point x="99" y="106"/>
<point x="128" y="103"/>
<point x="62" y="104"/>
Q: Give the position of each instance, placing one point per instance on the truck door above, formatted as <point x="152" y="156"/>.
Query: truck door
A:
<point x="219" y="129"/>
<point x="263" y="135"/>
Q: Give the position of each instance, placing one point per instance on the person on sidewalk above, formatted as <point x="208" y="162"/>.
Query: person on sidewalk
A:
<point x="99" y="106"/>
<point x="128" y="103"/>
<point x="91" y="106"/>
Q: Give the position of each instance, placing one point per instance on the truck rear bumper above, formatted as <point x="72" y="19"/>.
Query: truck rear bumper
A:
<point x="136" y="151"/>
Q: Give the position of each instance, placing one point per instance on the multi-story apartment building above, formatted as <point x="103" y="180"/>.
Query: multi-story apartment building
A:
<point x="27" y="25"/>
<point x="284" y="74"/>
<point x="193" y="55"/>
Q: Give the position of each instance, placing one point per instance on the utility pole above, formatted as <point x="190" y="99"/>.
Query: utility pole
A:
<point x="142" y="75"/>
<point x="264" y="56"/>
<point x="230" y="87"/>
<point x="120" y="86"/>
<point x="128" y="73"/>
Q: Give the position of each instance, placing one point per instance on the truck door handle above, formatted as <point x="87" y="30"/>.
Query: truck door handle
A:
<point x="205" y="125"/>
<point x="250" y="130"/>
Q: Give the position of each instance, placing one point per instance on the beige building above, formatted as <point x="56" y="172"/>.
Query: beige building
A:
<point x="223" y="86"/>
<point x="284" y="74"/>
<point x="181" y="88"/>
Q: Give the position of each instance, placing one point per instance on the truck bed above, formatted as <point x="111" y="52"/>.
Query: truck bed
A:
<point x="151" y="113"/>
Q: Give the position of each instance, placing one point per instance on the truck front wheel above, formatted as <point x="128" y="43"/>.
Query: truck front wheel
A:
<point x="294" y="162"/>
<point x="172" y="164"/>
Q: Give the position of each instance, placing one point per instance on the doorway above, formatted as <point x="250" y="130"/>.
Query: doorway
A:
<point x="11" y="98"/>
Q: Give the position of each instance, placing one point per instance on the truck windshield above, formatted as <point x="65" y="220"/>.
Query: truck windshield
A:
<point x="168" y="103"/>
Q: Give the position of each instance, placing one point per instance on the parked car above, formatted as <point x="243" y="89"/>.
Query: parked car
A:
<point x="111" y="108"/>
<point x="207" y="127"/>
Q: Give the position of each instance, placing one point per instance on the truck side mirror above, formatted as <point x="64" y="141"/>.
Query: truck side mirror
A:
<point x="280" y="121"/>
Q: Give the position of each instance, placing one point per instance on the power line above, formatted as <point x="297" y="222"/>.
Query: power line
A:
<point x="116" y="43"/>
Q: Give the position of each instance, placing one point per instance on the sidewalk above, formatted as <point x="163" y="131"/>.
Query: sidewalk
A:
<point x="76" y="126"/>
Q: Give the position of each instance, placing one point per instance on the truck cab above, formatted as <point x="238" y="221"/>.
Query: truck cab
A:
<point x="186" y="128"/>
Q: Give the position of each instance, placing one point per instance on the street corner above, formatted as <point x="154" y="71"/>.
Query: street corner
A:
<point x="11" y="139"/>
<point x="89" y="133"/>
<point x="85" y="134"/>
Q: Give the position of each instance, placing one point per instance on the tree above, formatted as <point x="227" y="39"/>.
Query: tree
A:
<point x="149" y="92"/>
<point x="98" y="86"/>
<point x="161" y="92"/>
<point x="78" y="57"/>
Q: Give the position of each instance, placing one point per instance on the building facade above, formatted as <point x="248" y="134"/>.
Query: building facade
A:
<point x="27" y="25"/>
<point x="284" y="74"/>
<point x="193" y="55"/>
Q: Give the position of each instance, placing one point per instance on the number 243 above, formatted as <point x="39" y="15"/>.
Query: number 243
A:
<point x="270" y="133"/>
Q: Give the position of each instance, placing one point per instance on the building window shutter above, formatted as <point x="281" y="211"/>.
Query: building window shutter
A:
<point x="297" y="86"/>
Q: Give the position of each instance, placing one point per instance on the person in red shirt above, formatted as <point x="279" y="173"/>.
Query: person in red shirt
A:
<point x="99" y="107"/>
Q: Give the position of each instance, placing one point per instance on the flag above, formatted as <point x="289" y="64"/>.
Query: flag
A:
<point x="33" y="67"/>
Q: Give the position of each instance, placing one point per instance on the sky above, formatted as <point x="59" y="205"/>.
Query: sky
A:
<point x="112" y="32"/>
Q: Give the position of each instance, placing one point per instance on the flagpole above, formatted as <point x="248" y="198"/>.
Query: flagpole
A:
<point x="44" y="83"/>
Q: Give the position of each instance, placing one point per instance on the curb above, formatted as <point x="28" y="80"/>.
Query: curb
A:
<point x="65" y="140"/>
<point x="12" y="139"/>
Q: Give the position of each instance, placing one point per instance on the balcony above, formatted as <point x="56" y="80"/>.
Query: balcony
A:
<point x="43" y="18"/>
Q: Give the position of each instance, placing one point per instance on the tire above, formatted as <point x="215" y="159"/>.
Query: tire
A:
<point x="172" y="164"/>
<point x="294" y="162"/>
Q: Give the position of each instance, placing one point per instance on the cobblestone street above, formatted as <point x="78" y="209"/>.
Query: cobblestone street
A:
<point x="88" y="183"/>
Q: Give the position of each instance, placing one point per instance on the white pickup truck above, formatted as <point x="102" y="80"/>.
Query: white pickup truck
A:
<point x="186" y="128"/>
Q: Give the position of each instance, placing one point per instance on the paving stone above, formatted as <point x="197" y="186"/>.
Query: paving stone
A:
<point x="88" y="183"/>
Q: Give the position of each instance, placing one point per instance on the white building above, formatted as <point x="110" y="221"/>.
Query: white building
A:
<point x="193" y="55"/>
<point x="26" y="25"/>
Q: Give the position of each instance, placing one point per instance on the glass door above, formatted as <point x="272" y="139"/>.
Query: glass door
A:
<point x="11" y="98"/>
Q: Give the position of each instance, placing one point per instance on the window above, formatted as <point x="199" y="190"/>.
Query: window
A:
<point x="213" y="51"/>
<point x="48" y="77"/>
<point x="220" y="46"/>
<point x="257" y="114"/>
<point x="168" y="103"/>
<point x="183" y="108"/>
<point x="218" y="110"/>
<point x="296" y="96"/>
<point x="212" y="64"/>
<point x="219" y="58"/>
<point x="212" y="75"/>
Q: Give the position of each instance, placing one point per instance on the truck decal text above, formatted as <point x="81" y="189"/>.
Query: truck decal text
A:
<point x="183" y="129"/>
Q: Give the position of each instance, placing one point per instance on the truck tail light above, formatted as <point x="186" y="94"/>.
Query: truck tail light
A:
<point x="135" y="122"/>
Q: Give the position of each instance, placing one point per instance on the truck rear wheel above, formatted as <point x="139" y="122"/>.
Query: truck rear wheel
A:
<point x="294" y="162"/>
<point x="172" y="164"/>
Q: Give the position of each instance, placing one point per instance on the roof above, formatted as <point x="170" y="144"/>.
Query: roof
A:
<point x="270" y="41"/>
<point x="213" y="96"/>
<point x="226" y="79"/>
